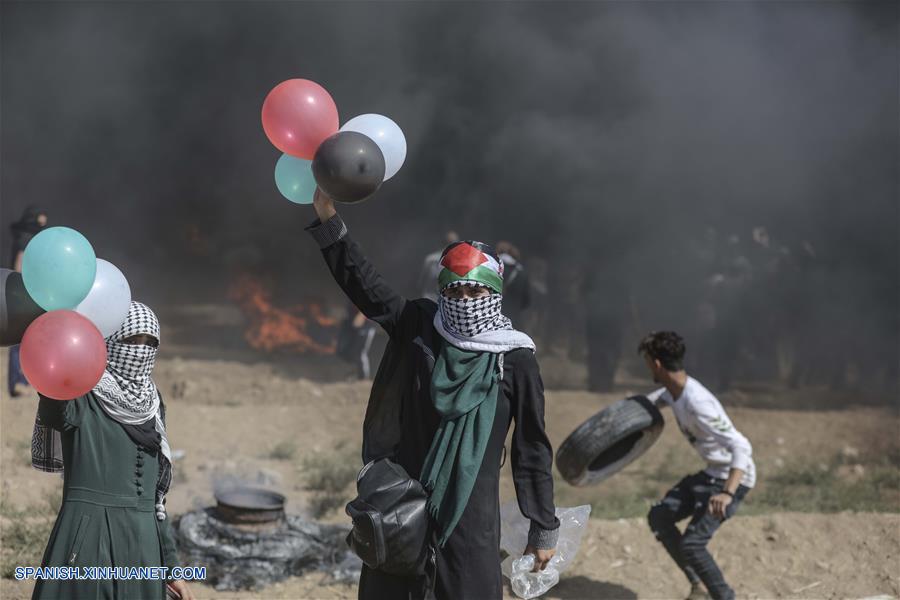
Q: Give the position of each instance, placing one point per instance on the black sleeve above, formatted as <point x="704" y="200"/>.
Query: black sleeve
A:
<point x="356" y="275"/>
<point x="58" y="414"/>
<point x="532" y="456"/>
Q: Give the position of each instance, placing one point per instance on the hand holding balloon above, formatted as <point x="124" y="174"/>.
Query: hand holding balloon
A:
<point x="301" y="119"/>
<point x="63" y="355"/>
<point x="324" y="206"/>
<point x="349" y="167"/>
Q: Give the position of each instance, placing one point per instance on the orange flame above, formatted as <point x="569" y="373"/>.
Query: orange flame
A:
<point x="272" y="328"/>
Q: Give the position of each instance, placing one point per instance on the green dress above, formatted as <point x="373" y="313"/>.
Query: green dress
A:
<point x="108" y="516"/>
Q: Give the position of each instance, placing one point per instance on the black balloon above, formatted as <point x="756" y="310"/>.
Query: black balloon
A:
<point x="17" y="309"/>
<point x="348" y="166"/>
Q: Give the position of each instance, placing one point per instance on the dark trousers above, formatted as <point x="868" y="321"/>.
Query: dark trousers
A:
<point x="14" y="374"/>
<point x="690" y="498"/>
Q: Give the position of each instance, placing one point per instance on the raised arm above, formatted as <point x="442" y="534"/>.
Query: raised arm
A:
<point x="532" y="456"/>
<point x="352" y="270"/>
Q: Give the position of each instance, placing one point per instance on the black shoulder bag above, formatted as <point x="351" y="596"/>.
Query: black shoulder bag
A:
<point x="390" y="523"/>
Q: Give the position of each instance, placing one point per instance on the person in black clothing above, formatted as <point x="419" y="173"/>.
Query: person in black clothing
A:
<point x="355" y="341"/>
<point x="32" y="222"/>
<point x="454" y="376"/>
<point x="606" y="297"/>
<point x="516" y="284"/>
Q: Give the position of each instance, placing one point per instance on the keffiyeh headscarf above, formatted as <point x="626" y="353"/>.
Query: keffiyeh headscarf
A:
<point x="127" y="394"/>
<point x="475" y="324"/>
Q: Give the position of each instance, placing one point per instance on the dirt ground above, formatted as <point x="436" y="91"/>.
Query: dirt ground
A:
<point x="258" y="421"/>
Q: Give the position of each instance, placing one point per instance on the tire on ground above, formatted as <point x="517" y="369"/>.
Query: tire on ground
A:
<point x="609" y="441"/>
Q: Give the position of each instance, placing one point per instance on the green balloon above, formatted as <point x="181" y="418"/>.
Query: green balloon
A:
<point x="294" y="179"/>
<point x="58" y="268"/>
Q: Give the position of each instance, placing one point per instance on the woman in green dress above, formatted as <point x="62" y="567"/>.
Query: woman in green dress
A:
<point x="112" y="448"/>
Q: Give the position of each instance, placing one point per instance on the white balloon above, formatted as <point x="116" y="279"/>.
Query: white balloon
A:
<point x="386" y="134"/>
<point x="107" y="304"/>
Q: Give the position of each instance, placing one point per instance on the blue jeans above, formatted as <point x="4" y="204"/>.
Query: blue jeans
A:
<point x="15" y="374"/>
<point x="690" y="498"/>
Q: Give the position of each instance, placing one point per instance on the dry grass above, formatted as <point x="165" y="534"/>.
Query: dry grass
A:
<point x="25" y="532"/>
<point x="329" y="475"/>
<point x="286" y="450"/>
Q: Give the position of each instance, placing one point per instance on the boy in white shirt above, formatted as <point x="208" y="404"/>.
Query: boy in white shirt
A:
<point x="712" y="495"/>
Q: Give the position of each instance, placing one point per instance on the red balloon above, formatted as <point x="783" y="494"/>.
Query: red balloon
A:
<point x="297" y="115"/>
<point x="63" y="354"/>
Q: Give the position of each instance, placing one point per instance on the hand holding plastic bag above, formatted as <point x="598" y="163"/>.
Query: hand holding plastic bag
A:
<point x="526" y="584"/>
<point x="514" y="538"/>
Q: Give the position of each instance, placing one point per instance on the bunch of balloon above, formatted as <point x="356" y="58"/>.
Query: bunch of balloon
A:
<point x="63" y="352"/>
<point x="300" y="118"/>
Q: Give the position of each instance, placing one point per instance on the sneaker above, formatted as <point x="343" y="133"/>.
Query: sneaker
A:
<point x="698" y="592"/>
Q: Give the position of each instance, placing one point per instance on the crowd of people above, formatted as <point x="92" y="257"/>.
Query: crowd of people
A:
<point x="767" y="309"/>
<point x="758" y="309"/>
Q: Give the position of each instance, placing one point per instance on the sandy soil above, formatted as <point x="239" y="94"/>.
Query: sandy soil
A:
<point x="227" y="417"/>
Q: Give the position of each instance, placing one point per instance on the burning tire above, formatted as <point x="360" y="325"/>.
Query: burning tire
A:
<point x="609" y="441"/>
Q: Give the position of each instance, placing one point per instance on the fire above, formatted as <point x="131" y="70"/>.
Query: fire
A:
<point x="273" y="328"/>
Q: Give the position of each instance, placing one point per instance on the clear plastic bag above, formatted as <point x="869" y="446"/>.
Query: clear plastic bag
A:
<point x="514" y="538"/>
<point x="526" y="584"/>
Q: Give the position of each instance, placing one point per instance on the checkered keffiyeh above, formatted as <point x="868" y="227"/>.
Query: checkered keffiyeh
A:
<point x="478" y="324"/>
<point x="467" y="317"/>
<point x="126" y="382"/>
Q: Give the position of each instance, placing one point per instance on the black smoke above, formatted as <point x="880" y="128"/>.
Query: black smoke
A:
<point x="618" y="142"/>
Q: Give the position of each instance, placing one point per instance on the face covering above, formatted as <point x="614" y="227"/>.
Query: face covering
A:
<point x="468" y="317"/>
<point x="127" y="382"/>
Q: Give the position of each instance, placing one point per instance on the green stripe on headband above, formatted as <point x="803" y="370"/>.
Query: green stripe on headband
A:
<point x="481" y="274"/>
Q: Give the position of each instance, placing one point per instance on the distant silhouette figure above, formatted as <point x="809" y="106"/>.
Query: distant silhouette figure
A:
<point x="32" y="222"/>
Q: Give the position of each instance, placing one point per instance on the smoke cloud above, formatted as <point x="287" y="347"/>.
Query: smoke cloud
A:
<point x="612" y="141"/>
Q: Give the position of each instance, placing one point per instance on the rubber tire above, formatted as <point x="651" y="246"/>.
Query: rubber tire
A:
<point x="609" y="441"/>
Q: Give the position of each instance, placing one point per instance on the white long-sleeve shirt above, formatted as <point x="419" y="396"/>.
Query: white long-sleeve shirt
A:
<point x="703" y="421"/>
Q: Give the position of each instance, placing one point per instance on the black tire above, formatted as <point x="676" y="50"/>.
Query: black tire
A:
<point x="609" y="441"/>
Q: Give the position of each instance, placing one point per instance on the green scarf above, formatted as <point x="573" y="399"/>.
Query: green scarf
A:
<point x="464" y="392"/>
